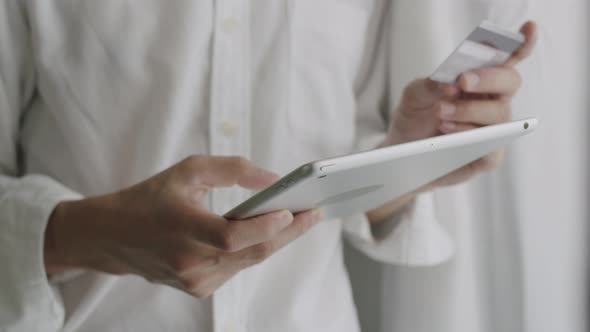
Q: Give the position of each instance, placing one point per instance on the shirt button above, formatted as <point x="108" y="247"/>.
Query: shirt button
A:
<point x="228" y="129"/>
<point x="229" y="25"/>
<point x="229" y="328"/>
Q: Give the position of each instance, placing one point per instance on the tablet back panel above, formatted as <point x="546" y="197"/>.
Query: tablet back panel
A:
<point x="357" y="183"/>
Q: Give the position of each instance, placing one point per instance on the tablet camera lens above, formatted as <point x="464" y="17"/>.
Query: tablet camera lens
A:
<point x="526" y="125"/>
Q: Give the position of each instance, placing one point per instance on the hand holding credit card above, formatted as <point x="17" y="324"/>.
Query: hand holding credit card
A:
<point x="486" y="46"/>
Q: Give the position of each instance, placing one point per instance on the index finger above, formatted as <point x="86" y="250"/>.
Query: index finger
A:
<point x="240" y="234"/>
<point x="529" y="30"/>
<point x="234" y="235"/>
<point x="301" y="224"/>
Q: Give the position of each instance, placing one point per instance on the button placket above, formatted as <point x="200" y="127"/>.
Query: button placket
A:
<point x="228" y="128"/>
<point x="229" y="25"/>
<point x="229" y="131"/>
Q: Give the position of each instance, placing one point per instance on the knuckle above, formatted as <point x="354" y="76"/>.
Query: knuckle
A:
<point x="262" y="251"/>
<point x="211" y="261"/>
<point x="191" y="284"/>
<point x="227" y="240"/>
<point x="197" y="287"/>
<point x="180" y="263"/>
<point x="201" y="293"/>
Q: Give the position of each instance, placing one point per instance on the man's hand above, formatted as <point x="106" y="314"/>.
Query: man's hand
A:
<point x="158" y="229"/>
<point x="481" y="97"/>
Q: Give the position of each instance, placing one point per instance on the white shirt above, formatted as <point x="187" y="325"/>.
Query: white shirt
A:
<point x="97" y="95"/>
<point x="521" y="231"/>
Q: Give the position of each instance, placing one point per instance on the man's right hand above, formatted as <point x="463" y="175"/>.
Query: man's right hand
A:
<point x="158" y="229"/>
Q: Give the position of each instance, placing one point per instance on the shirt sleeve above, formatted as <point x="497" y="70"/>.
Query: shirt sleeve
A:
<point x="28" y="302"/>
<point x="413" y="236"/>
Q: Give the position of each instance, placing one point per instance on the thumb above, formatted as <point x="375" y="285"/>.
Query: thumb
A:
<point x="217" y="171"/>
<point x="529" y="30"/>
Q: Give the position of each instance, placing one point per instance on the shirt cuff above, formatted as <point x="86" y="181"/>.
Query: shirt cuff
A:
<point x="412" y="237"/>
<point x="28" y="302"/>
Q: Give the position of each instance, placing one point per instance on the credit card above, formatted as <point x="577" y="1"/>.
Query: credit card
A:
<point x="487" y="46"/>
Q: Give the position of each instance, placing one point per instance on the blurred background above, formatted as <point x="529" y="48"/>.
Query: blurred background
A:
<point x="521" y="255"/>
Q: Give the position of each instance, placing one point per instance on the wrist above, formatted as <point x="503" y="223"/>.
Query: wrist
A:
<point x="73" y="231"/>
<point x="390" y="209"/>
<point x="55" y="260"/>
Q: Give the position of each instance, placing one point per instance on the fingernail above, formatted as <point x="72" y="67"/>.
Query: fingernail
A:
<point x="317" y="214"/>
<point x="447" y="110"/>
<point x="448" y="125"/>
<point x="266" y="173"/>
<point x="285" y="217"/>
<point x="286" y="214"/>
<point x="471" y="80"/>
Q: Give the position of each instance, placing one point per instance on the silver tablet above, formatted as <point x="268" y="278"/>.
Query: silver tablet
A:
<point x="359" y="182"/>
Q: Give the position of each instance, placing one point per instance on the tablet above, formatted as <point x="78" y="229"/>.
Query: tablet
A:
<point x="359" y="182"/>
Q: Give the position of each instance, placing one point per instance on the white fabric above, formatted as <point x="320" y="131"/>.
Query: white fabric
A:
<point x="521" y="232"/>
<point x="97" y="95"/>
<point x="408" y="243"/>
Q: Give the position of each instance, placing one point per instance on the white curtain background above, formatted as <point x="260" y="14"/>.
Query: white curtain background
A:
<point x="520" y="232"/>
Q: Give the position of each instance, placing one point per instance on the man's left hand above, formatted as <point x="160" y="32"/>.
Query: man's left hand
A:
<point x="479" y="98"/>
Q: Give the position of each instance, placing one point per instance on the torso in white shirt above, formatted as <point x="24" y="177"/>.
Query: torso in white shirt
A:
<point x="127" y="88"/>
